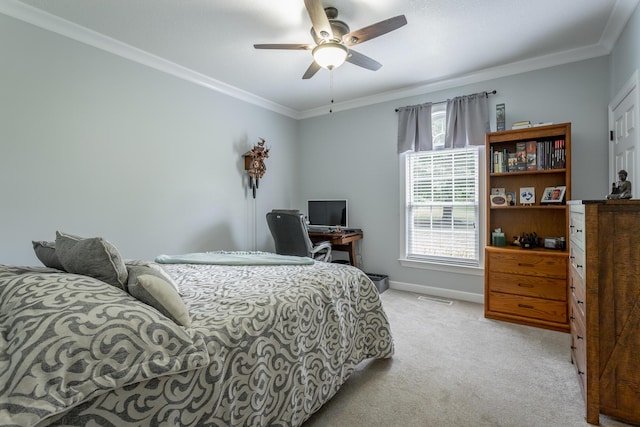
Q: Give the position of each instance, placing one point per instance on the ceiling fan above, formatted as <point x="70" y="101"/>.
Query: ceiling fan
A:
<point x="334" y="39"/>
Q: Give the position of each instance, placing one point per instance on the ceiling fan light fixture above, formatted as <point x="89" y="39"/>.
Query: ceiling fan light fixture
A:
<point x="330" y="55"/>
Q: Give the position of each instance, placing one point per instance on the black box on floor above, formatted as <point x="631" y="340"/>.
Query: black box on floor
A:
<point x="380" y="280"/>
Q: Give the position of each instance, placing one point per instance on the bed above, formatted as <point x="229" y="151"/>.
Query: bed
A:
<point x="246" y="344"/>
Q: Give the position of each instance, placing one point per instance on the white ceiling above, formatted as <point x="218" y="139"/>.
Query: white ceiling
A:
<point x="445" y="43"/>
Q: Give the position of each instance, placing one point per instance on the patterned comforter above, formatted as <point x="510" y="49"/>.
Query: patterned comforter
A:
<point x="269" y="345"/>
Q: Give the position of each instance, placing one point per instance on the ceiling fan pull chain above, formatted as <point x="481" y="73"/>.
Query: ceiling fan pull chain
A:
<point x="331" y="91"/>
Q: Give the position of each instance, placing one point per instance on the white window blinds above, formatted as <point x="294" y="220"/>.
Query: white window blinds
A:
<point x="442" y="206"/>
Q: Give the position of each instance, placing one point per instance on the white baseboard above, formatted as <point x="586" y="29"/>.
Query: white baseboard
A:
<point x="437" y="292"/>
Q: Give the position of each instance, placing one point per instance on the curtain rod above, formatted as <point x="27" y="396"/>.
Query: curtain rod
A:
<point x="493" y="92"/>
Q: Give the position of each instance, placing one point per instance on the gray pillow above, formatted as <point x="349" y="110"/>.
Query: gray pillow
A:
<point x="46" y="253"/>
<point x="155" y="266"/>
<point x="148" y="286"/>
<point x="94" y="257"/>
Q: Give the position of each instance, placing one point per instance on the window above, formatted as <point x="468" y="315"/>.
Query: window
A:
<point x="442" y="203"/>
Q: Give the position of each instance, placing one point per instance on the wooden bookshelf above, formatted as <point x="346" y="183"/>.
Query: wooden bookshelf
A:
<point x="529" y="286"/>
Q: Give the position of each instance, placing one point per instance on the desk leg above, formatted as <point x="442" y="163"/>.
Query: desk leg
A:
<point x="350" y="248"/>
<point x="352" y="254"/>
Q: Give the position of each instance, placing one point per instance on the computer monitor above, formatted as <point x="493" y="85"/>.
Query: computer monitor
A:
<point x="328" y="213"/>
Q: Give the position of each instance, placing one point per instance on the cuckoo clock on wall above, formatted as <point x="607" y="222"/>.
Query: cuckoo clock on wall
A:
<point x="254" y="164"/>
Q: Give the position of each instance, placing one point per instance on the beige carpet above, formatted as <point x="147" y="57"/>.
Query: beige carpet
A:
<point x="453" y="367"/>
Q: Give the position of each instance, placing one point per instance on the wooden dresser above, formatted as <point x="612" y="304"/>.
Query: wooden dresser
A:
<point x="604" y="309"/>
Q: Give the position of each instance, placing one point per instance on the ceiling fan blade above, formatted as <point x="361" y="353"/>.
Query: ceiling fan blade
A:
<point x="319" y="20"/>
<point x="374" y="30"/>
<point x="291" y="46"/>
<point x="311" y="71"/>
<point x="363" y="61"/>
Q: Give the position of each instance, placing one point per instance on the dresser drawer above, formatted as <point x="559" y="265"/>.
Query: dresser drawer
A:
<point x="535" y="308"/>
<point x="576" y="259"/>
<point x="533" y="286"/>
<point x="576" y="226"/>
<point x="578" y="292"/>
<point x="528" y="263"/>
<point x="578" y="345"/>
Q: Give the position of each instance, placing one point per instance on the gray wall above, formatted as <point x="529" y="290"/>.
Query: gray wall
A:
<point x="625" y="57"/>
<point x="359" y="160"/>
<point x="97" y="145"/>
<point x="94" y="144"/>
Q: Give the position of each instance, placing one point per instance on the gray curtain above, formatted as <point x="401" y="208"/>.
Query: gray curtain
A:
<point x="414" y="128"/>
<point x="467" y="120"/>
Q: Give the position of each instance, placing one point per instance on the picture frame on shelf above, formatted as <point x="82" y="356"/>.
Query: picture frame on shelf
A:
<point x="511" y="198"/>
<point x="498" y="200"/>
<point x="527" y="195"/>
<point x="553" y="195"/>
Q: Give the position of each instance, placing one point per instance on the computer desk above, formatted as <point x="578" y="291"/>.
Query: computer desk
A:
<point x="340" y="241"/>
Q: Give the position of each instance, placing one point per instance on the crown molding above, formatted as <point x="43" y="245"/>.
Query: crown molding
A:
<point x="620" y="15"/>
<point x="533" y="64"/>
<point x="63" y="27"/>
<point x="622" y="11"/>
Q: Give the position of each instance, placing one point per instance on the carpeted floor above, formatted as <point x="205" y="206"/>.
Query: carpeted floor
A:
<point x="452" y="367"/>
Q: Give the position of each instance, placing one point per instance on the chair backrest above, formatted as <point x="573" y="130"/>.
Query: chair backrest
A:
<point x="289" y="232"/>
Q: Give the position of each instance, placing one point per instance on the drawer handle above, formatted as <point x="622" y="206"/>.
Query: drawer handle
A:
<point x="523" y="264"/>
<point x="572" y="317"/>
<point x="572" y="257"/>
<point x="579" y="337"/>
<point x="525" y="306"/>
<point x="579" y="302"/>
<point x="578" y="265"/>
<point x="580" y="373"/>
<point x="573" y="347"/>
<point x="572" y="287"/>
<point x="525" y="285"/>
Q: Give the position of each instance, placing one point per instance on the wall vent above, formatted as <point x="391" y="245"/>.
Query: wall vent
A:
<point x="435" y="299"/>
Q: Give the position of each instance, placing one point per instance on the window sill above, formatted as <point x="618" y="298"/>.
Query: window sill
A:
<point x="450" y="268"/>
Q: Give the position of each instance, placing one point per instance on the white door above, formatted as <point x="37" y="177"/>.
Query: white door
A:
<point x="624" y="118"/>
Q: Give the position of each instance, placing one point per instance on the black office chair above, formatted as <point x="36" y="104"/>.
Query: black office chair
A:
<point x="291" y="236"/>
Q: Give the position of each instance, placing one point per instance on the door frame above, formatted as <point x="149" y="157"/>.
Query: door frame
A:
<point x="630" y="85"/>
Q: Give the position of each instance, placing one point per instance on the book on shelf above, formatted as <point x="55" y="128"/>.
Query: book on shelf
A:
<point x="540" y="155"/>
<point x="529" y="156"/>
<point x="512" y="162"/>
<point x="521" y="124"/>
<point x="499" y="161"/>
<point x="541" y="124"/>
<point x="559" y="154"/>
<point x="551" y="154"/>
<point x="491" y="162"/>
<point x="532" y="147"/>
<point x="527" y="124"/>
<point x="521" y="156"/>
